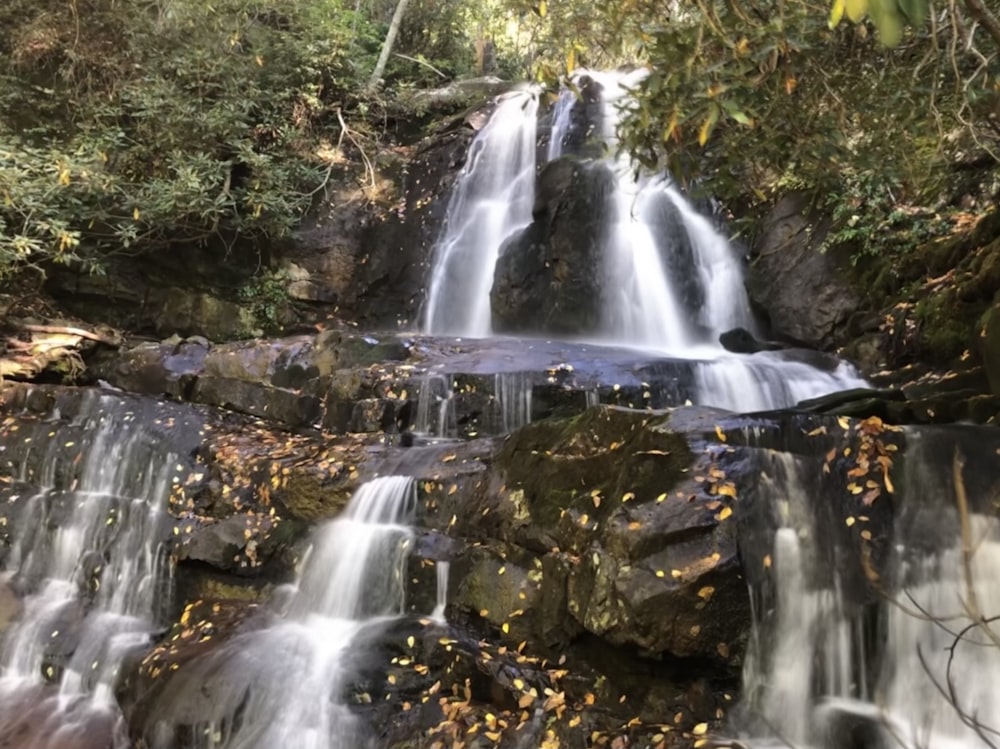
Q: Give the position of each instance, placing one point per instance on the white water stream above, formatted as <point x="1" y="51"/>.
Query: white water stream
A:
<point x="493" y="199"/>
<point x="283" y="686"/>
<point x="673" y="283"/>
<point x="808" y="673"/>
<point x="88" y="553"/>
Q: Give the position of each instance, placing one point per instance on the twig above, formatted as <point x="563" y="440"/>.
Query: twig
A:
<point x="420" y="62"/>
<point x="345" y="130"/>
<point x="66" y="330"/>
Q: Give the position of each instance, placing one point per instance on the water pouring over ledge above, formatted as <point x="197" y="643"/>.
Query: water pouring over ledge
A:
<point x="670" y="282"/>
<point x="88" y="558"/>
<point x="283" y="685"/>
<point x="909" y="667"/>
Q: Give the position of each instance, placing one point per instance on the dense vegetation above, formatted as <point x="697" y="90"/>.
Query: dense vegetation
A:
<point x="131" y="125"/>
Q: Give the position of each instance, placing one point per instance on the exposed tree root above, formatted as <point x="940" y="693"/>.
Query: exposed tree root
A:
<point x="29" y="349"/>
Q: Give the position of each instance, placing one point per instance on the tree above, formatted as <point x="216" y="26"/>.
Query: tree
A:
<point x="390" y="39"/>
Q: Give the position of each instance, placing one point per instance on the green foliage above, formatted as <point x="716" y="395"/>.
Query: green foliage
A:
<point x="128" y="127"/>
<point x="266" y="295"/>
<point x="869" y="221"/>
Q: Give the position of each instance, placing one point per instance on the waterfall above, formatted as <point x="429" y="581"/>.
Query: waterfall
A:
<point x="671" y="283"/>
<point x="442" y="570"/>
<point x="87" y="554"/>
<point x="816" y="675"/>
<point x="435" y="406"/>
<point x="561" y="120"/>
<point x="492" y="199"/>
<point x="283" y="686"/>
<point x="513" y="392"/>
<point x="766" y="381"/>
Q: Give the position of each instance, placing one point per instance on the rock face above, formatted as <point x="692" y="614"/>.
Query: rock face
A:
<point x="370" y="260"/>
<point x="803" y="291"/>
<point x="548" y="275"/>
<point x="599" y="564"/>
<point x="989" y="345"/>
<point x="600" y="531"/>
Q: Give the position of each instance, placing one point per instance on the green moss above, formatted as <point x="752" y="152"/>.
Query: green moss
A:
<point x="946" y="328"/>
<point x="307" y="498"/>
<point x="560" y="463"/>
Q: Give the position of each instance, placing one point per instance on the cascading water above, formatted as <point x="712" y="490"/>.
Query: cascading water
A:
<point x="671" y="282"/>
<point x="819" y="674"/>
<point x="435" y="407"/>
<point x="493" y="198"/>
<point x="513" y="392"/>
<point x="88" y="556"/>
<point x="283" y="686"/>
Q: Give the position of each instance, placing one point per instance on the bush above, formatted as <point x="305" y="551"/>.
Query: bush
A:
<point x="126" y="127"/>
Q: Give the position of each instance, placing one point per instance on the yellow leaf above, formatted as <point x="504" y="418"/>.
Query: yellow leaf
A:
<point x="628" y="496"/>
<point x="707" y="126"/>
<point x="671" y="131"/>
<point x="543" y="8"/>
<point x="728" y="490"/>
<point x="724" y="513"/>
<point x="718" y="430"/>
<point x="700" y="729"/>
<point x="888" y="483"/>
<point x="856" y="9"/>
<point x="836" y="13"/>
<point x="64" y="176"/>
<point x="706" y="593"/>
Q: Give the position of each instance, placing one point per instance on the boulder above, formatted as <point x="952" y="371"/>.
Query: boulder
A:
<point x="546" y="277"/>
<point x="804" y="291"/>
<point x="370" y="258"/>
<point x="742" y="341"/>
<point x="989" y="345"/>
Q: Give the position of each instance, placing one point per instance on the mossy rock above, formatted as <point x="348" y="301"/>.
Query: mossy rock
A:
<point x="308" y="497"/>
<point x="605" y="451"/>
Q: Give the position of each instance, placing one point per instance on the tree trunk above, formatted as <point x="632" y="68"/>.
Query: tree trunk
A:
<point x="390" y="39"/>
<point x="989" y="21"/>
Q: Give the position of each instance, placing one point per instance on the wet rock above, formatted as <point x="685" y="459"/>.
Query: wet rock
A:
<point x="595" y="499"/>
<point x="804" y="292"/>
<point x="989" y="345"/>
<point x="742" y="341"/>
<point x="544" y="279"/>
<point x="373" y="259"/>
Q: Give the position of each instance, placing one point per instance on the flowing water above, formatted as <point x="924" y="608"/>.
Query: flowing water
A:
<point x="493" y="198"/>
<point x="284" y="685"/>
<point x="88" y="557"/>
<point x="672" y="281"/>
<point x="912" y="669"/>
